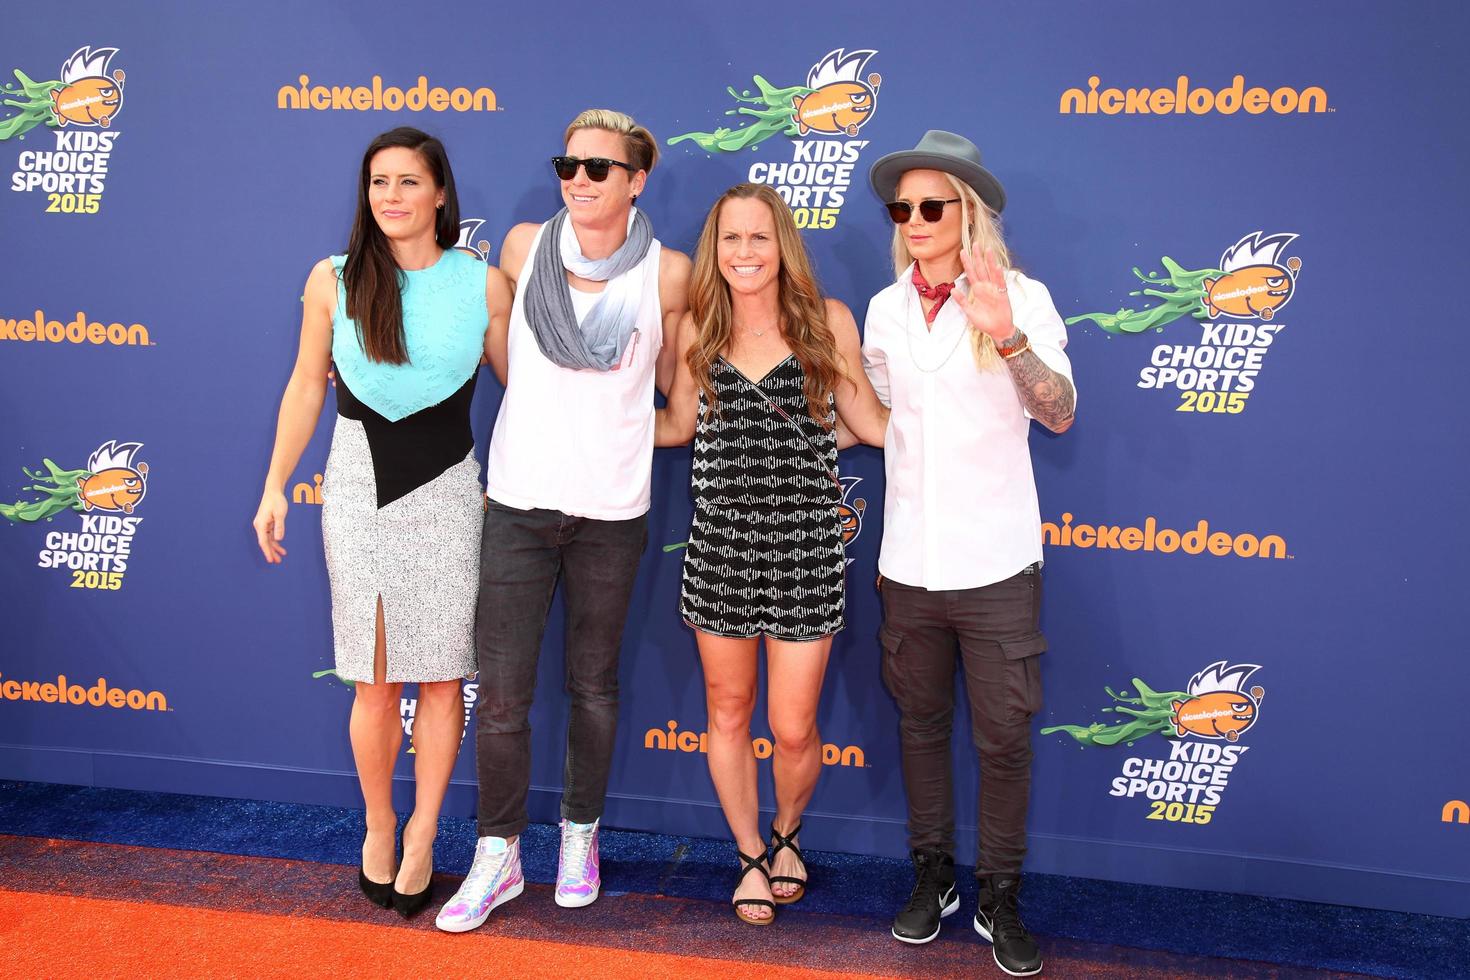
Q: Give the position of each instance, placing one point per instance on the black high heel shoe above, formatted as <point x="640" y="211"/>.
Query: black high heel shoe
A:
<point x="409" y="906"/>
<point x="379" y="893"/>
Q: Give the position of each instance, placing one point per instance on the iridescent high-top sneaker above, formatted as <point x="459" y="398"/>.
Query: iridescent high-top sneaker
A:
<point x="578" y="879"/>
<point x="494" y="879"/>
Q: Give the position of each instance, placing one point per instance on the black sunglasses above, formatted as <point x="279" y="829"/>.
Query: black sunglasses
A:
<point x="597" y="167"/>
<point x="902" y="211"/>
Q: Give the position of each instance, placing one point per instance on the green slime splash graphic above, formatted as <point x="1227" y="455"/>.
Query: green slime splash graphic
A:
<point x="776" y="118"/>
<point x="318" y="674"/>
<point x="59" y="492"/>
<point x="1187" y="297"/>
<point x="35" y="110"/>
<point x="1154" y="713"/>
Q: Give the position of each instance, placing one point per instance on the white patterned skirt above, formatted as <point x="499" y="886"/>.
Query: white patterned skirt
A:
<point x="420" y="553"/>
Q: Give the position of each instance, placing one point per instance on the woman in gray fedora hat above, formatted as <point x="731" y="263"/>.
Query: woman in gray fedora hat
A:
<point x="966" y="350"/>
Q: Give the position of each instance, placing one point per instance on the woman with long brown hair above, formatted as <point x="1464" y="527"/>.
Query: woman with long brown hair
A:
<point x="769" y="364"/>
<point x="403" y="318"/>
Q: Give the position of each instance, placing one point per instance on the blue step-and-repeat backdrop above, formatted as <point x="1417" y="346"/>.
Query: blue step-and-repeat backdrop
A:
<point x="1256" y="531"/>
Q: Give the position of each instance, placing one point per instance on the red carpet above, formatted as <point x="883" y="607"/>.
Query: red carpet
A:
<point x="81" y="909"/>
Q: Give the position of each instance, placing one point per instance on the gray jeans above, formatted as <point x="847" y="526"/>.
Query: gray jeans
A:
<point x="522" y="554"/>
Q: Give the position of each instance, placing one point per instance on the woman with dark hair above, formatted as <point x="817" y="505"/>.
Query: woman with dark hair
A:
<point x="403" y="318"/>
<point x="768" y="367"/>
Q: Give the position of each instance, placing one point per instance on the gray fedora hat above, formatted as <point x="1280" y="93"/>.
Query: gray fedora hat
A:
<point x="943" y="151"/>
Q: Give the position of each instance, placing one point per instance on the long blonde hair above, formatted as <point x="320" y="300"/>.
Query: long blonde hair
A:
<point x="977" y="224"/>
<point x="803" y="310"/>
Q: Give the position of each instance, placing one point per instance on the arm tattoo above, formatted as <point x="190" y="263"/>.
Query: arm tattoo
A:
<point x="1047" y="395"/>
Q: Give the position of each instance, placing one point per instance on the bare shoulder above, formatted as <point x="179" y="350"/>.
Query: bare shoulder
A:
<point x="495" y="280"/>
<point x="321" y="284"/>
<point x="840" y="321"/>
<point x="326" y="269"/>
<point x="674" y="267"/>
<point x="671" y="260"/>
<point x="686" y="327"/>
<point x="520" y="235"/>
<point x="514" y="249"/>
<point x="498" y="288"/>
<point x="838" y="312"/>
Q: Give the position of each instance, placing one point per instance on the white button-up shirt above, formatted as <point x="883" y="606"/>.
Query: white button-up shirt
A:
<point x="960" y="510"/>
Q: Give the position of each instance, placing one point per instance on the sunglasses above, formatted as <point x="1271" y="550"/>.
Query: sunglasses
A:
<point x="902" y="211"/>
<point x="597" y="167"/>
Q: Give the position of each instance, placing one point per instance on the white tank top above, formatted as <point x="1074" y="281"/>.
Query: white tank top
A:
<point x="582" y="303"/>
<point x="578" y="441"/>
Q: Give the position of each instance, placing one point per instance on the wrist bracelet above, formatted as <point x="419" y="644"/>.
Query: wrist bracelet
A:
<point x="1009" y="352"/>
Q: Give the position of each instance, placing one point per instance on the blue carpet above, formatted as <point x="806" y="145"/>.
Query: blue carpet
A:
<point x="1176" y="920"/>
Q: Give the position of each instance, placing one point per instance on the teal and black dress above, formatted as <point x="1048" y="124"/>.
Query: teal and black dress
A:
<point x="401" y="497"/>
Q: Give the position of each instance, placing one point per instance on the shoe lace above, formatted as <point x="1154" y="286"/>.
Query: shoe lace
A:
<point x="1005" y="917"/>
<point x="486" y="866"/>
<point x="576" y="842"/>
<point x="927" y="886"/>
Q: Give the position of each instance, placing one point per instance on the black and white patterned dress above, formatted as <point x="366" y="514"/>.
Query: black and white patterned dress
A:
<point x="765" y="552"/>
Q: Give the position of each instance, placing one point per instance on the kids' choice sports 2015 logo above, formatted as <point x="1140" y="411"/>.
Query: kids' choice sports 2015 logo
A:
<point x="106" y="494"/>
<point x="1237" y="305"/>
<point x="850" y="511"/>
<point x="1187" y="784"/>
<point x="468" y="229"/>
<point x="80" y="108"/>
<point x="821" y="117"/>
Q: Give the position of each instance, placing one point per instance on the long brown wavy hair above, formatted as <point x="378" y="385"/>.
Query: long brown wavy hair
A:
<point x="370" y="276"/>
<point x="803" y="310"/>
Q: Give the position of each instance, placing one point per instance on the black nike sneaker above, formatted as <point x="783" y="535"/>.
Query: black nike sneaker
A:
<point x="933" y="898"/>
<point x="999" y="920"/>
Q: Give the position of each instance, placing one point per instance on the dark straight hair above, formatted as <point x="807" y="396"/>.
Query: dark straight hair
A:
<point x="371" y="276"/>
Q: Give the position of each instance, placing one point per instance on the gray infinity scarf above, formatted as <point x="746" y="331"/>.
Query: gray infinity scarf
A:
<point x="598" y="343"/>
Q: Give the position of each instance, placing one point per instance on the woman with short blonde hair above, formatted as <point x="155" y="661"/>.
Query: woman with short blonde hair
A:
<point x="589" y="337"/>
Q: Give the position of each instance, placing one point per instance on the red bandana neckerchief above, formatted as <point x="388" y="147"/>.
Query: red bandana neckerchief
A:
<point x="938" y="293"/>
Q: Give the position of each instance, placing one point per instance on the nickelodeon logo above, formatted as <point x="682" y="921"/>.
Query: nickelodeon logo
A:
<point x="98" y="695"/>
<point x="79" y="331"/>
<point x="1455" y="811"/>
<point x="308" y="493"/>
<point x="670" y="739"/>
<point x="1150" y="537"/>
<point x="375" y="97"/>
<point x="1183" y="98"/>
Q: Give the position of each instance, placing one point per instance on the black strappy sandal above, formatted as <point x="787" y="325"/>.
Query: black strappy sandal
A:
<point x="778" y="841"/>
<point x="753" y="864"/>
